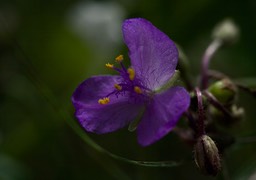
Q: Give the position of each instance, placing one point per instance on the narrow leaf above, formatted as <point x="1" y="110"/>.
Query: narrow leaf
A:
<point x="247" y="84"/>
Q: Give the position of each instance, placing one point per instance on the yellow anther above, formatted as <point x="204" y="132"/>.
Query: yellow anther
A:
<point x="137" y="90"/>
<point x="118" y="87"/>
<point x="103" y="101"/>
<point x="119" y="58"/>
<point x="131" y="73"/>
<point x="108" y="65"/>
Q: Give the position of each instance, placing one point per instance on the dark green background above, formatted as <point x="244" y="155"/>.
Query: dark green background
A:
<point x="42" y="60"/>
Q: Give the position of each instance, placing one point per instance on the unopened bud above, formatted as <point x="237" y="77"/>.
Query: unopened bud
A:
<point x="226" y="31"/>
<point x="207" y="156"/>
<point x="224" y="91"/>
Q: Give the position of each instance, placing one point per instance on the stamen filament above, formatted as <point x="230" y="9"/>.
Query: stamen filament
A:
<point x="123" y="66"/>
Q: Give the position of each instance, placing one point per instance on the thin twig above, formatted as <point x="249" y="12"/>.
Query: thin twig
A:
<point x="216" y="74"/>
<point x="201" y="114"/>
<point x="217" y="104"/>
<point x="210" y="51"/>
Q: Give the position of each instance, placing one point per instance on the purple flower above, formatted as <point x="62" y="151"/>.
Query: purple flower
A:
<point x="106" y="103"/>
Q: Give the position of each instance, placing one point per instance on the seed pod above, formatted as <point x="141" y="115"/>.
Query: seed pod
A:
<point x="226" y="31"/>
<point x="207" y="156"/>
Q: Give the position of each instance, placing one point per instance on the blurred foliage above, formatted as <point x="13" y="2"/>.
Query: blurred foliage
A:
<point x="43" y="57"/>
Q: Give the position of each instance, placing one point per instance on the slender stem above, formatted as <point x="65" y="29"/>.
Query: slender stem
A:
<point x="216" y="74"/>
<point x="217" y="104"/>
<point x="210" y="51"/>
<point x="191" y="120"/>
<point x="201" y="114"/>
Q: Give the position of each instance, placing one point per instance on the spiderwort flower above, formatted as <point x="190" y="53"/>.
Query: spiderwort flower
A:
<point x="106" y="103"/>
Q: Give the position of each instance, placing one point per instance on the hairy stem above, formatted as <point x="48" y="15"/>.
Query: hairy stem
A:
<point x="201" y="114"/>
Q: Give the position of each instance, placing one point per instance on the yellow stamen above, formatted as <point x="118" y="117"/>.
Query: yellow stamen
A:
<point x="103" y="101"/>
<point x="118" y="87"/>
<point x="137" y="90"/>
<point x="131" y="73"/>
<point x="108" y="65"/>
<point x="119" y="58"/>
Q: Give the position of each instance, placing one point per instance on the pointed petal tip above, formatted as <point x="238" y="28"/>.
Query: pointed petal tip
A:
<point x="153" y="54"/>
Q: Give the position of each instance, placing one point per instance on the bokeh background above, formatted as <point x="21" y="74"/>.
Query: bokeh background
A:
<point x="47" y="47"/>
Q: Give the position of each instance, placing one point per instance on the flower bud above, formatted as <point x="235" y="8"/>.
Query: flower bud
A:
<point x="207" y="156"/>
<point x="226" y="31"/>
<point x="224" y="91"/>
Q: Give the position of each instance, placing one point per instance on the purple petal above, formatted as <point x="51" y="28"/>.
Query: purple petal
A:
<point x="162" y="114"/>
<point x="153" y="54"/>
<point x="98" y="118"/>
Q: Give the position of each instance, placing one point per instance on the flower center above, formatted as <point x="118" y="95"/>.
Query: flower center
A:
<point x="129" y="85"/>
